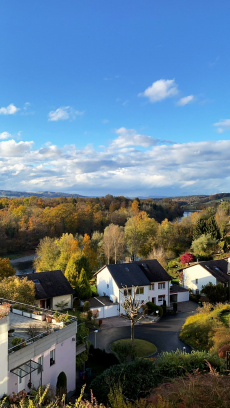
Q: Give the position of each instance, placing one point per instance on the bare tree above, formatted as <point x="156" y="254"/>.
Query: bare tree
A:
<point x="114" y="242"/>
<point x="132" y="307"/>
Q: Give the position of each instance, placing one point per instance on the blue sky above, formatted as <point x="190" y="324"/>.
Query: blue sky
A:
<point x="124" y="97"/>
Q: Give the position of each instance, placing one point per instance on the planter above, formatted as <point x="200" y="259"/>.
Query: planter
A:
<point x="26" y="314"/>
<point x="38" y="317"/>
<point x="49" y="319"/>
<point x="17" y="311"/>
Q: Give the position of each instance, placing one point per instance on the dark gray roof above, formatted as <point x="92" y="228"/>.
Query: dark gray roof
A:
<point x="101" y="301"/>
<point x="153" y="270"/>
<point x="217" y="268"/>
<point x="139" y="273"/>
<point x="176" y="288"/>
<point x="49" y="284"/>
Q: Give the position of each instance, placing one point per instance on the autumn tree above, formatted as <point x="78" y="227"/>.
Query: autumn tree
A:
<point x="187" y="257"/>
<point x="204" y="245"/>
<point x="114" y="242"/>
<point x="88" y="252"/>
<point x="47" y="255"/>
<point x="6" y="269"/>
<point x="18" y="289"/>
<point x="132" y="306"/>
<point x="140" y="235"/>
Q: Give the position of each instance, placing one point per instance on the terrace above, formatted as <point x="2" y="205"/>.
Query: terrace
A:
<point x="28" y="324"/>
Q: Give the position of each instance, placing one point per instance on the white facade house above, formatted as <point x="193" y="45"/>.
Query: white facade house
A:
<point x="149" y="276"/>
<point x="200" y="274"/>
<point x="39" y="359"/>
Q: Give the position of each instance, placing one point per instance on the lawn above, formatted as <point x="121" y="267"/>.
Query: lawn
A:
<point x="144" y="348"/>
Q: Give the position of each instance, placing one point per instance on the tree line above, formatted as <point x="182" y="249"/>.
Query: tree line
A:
<point x="24" y="221"/>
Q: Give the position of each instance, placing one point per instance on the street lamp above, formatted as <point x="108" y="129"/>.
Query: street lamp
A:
<point x="95" y="331"/>
<point x="157" y="311"/>
<point x="184" y="350"/>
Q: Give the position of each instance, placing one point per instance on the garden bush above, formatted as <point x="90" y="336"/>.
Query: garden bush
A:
<point x="135" y="378"/>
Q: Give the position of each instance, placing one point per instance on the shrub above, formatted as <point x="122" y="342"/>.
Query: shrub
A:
<point x="89" y="315"/>
<point x="86" y="306"/>
<point x="97" y="355"/>
<point x="125" y="351"/>
<point x="215" y="293"/>
<point x="61" y="387"/>
<point x="16" y="341"/>
<point x="160" y="311"/>
<point x="152" y="308"/>
<point x="94" y="291"/>
<point x="136" y="379"/>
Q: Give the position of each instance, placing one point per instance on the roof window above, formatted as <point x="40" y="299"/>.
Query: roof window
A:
<point x="36" y="281"/>
<point x="127" y="269"/>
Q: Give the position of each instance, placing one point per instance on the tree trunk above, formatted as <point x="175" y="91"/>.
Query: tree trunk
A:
<point x="132" y="332"/>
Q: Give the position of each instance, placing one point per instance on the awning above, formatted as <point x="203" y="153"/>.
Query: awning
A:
<point x="26" y="368"/>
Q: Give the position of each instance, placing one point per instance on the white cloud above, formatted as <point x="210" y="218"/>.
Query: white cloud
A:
<point x="5" y="135"/>
<point x="9" y="110"/>
<point x="129" y="137"/>
<point x="161" y="89"/>
<point x="122" y="168"/>
<point x="223" y="125"/>
<point x="64" y="113"/>
<point x="10" y="148"/>
<point x="184" y="101"/>
<point x="105" y="121"/>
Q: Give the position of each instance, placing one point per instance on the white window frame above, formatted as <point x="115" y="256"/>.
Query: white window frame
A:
<point x="128" y="292"/>
<point x="161" y="298"/>
<point x="196" y="281"/>
<point x="161" y="285"/>
<point x="139" y="289"/>
<point x="151" y="287"/>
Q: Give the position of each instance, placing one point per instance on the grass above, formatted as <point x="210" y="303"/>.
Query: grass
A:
<point x="144" y="348"/>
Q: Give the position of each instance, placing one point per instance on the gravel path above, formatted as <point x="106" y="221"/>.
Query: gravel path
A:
<point x="23" y="259"/>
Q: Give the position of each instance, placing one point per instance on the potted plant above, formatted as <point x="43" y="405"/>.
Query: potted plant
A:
<point x="17" y="309"/>
<point x="38" y="315"/>
<point x="56" y="317"/>
<point x="48" y="318"/>
<point x="26" y="312"/>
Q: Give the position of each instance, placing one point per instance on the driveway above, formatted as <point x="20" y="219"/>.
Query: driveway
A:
<point x="164" y="333"/>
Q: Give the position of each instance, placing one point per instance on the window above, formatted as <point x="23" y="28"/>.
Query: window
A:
<point x="161" y="285"/>
<point x="151" y="287"/>
<point x="161" y="298"/>
<point x="127" y="292"/>
<point x="140" y="291"/>
<point x="196" y="281"/>
<point x="107" y="286"/>
<point x="40" y="361"/>
<point x="52" y="357"/>
<point x="20" y="378"/>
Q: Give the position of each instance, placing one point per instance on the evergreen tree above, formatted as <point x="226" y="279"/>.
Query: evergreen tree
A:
<point x="200" y="228"/>
<point x="71" y="272"/>
<point x="83" y="263"/>
<point x="83" y="289"/>
<point x="212" y="228"/>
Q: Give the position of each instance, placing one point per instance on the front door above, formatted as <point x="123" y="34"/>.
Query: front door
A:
<point x="42" y="304"/>
<point x="153" y="300"/>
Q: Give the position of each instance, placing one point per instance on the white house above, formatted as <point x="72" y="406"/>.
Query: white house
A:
<point x="200" y="274"/>
<point x="152" y="280"/>
<point x="39" y="359"/>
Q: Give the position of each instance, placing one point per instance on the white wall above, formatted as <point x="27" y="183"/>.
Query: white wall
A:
<point x="107" y="311"/>
<point x="4" y="324"/>
<point x="182" y="296"/>
<point x="65" y="359"/>
<point x="65" y="298"/>
<point x="104" y="278"/>
<point x="156" y="292"/>
<point x="197" y="272"/>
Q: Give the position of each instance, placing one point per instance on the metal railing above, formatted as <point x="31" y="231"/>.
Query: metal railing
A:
<point x="47" y="312"/>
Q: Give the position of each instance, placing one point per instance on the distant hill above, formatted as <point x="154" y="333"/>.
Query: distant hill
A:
<point x="42" y="194"/>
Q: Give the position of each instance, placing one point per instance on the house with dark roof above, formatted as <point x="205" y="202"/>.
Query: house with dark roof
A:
<point x="200" y="274"/>
<point x="51" y="287"/>
<point x="153" y="282"/>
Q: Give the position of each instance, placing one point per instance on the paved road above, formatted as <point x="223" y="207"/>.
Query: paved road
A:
<point x="163" y="334"/>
